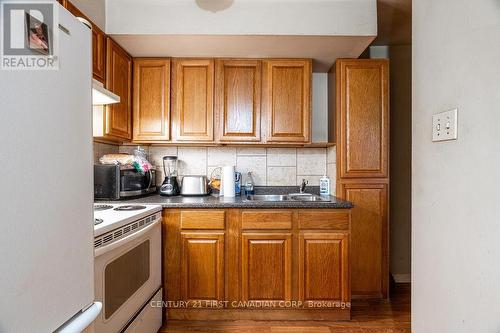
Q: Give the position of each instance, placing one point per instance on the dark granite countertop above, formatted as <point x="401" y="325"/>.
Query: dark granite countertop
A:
<point x="240" y="201"/>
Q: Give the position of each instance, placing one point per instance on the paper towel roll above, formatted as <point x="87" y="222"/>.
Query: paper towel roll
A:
<point x="228" y="180"/>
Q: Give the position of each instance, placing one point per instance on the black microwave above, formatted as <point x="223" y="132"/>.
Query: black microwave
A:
<point x="115" y="182"/>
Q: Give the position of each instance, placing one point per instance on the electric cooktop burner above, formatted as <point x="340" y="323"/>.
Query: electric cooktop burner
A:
<point x="98" y="221"/>
<point x="98" y="208"/>
<point x="130" y="207"/>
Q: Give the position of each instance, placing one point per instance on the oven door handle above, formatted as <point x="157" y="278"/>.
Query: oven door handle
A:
<point x="121" y="241"/>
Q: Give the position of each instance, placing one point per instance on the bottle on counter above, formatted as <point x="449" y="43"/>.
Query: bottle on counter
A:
<point x="249" y="184"/>
<point x="324" y="185"/>
<point x="237" y="184"/>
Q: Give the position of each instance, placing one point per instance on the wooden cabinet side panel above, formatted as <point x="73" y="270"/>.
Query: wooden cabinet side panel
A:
<point x="171" y="255"/>
<point x="266" y="266"/>
<point x="119" y="81"/>
<point x="369" y="238"/>
<point x="238" y="100"/>
<point x="192" y="100"/>
<point x="151" y="99"/>
<point x="232" y="258"/>
<point x="363" y="118"/>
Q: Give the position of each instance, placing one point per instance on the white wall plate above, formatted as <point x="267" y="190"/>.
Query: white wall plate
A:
<point x="444" y="126"/>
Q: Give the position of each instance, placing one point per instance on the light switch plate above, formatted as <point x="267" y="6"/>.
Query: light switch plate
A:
<point x="444" y="126"/>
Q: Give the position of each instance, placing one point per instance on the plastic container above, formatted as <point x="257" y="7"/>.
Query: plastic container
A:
<point x="324" y="185"/>
<point x="249" y="184"/>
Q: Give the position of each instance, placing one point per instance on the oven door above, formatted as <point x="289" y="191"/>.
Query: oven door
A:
<point x="127" y="274"/>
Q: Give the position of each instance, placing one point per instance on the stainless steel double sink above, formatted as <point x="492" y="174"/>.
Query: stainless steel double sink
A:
<point x="288" y="197"/>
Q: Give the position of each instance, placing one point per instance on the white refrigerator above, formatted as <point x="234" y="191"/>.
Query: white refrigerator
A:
<point x="46" y="191"/>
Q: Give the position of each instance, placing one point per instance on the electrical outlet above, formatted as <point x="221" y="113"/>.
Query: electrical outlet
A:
<point x="444" y="126"/>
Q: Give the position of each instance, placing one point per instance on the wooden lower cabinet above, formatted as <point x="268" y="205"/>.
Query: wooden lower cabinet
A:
<point x="202" y="266"/>
<point x="256" y="264"/>
<point x="324" y="267"/>
<point x="266" y="266"/>
<point x="369" y="236"/>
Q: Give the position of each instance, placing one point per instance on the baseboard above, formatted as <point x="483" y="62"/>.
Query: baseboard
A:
<point x="401" y="278"/>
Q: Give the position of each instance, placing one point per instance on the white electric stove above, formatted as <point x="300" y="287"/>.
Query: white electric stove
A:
<point x="110" y="216"/>
<point x="127" y="267"/>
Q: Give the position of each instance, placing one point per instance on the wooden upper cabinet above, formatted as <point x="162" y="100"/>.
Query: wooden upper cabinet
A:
<point x="193" y="100"/>
<point x="362" y="118"/>
<point x="118" y="122"/>
<point x="369" y="238"/>
<point x="98" y="43"/>
<point x="266" y="266"/>
<point x="151" y="100"/>
<point x="324" y="267"/>
<point x="238" y="99"/>
<point x="286" y="100"/>
<point x="98" y="54"/>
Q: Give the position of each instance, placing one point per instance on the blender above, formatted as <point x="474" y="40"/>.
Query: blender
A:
<point x="170" y="187"/>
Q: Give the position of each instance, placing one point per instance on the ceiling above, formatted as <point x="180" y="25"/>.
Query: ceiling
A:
<point x="323" y="49"/>
<point x="394" y="22"/>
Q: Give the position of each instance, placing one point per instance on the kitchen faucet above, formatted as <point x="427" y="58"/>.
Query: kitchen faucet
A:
<point x="302" y="188"/>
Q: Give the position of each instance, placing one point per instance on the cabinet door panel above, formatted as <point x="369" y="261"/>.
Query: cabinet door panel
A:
<point x="324" y="267"/>
<point x="98" y="54"/>
<point x="369" y="247"/>
<point x="202" y="264"/>
<point x="363" y="117"/>
<point x="119" y="81"/>
<point x="152" y="99"/>
<point x="238" y="95"/>
<point x="266" y="266"/>
<point x="193" y="109"/>
<point x="287" y="94"/>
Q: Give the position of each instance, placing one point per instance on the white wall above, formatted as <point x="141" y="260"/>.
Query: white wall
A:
<point x="455" y="215"/>
<point x="244" y="17"/>
<point x="319" y="107"/>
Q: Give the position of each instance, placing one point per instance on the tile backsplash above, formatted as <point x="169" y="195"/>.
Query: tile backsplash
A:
<point x="103" y="149"/>
<point x="269" y="166"/>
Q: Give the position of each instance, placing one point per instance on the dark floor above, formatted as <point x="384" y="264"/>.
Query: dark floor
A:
<point x="372" y="316"/>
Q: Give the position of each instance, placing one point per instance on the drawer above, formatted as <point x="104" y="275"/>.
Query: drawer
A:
<point x="203" y="219"/>
<point x="324" y="219"/>
<point x="266" y="219"/>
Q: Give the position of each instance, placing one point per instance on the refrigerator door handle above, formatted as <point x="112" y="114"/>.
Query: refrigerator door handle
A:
<point x="81" y="320"/>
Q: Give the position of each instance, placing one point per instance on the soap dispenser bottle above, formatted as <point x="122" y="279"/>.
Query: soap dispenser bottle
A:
<point x="324" y="185"/>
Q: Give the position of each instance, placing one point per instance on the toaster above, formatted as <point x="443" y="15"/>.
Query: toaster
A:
<point x="194" y="186"/>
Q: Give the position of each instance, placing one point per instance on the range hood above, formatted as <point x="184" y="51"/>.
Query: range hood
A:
<point x="101" y="95"/>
